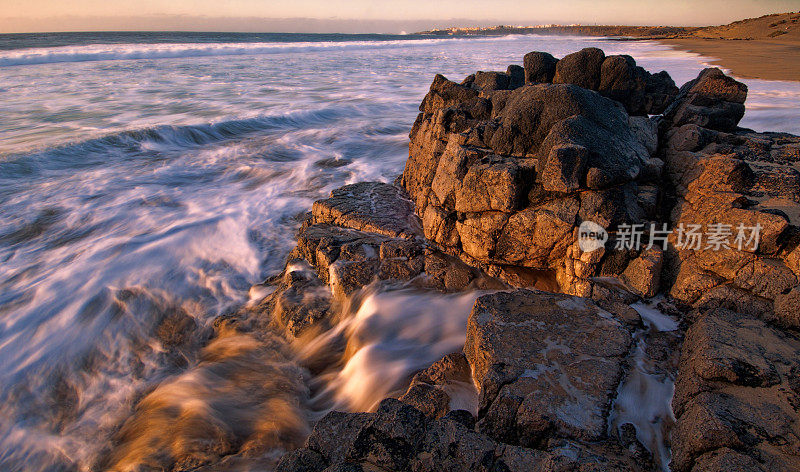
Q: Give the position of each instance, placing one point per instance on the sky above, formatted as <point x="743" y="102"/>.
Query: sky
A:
<point x="349" y="16"/>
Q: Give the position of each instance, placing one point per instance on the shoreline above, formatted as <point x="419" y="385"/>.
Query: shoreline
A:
<point x="747" y="59"/>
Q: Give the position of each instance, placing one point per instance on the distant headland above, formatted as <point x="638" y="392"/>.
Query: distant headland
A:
<point x="767" y="47"/>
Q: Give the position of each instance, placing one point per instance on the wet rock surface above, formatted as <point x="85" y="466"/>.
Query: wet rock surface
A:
<point x="443" y="387"/>
<point x="547" y="365"/>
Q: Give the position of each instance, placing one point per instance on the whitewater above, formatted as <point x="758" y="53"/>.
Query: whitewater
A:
<point x="144" y="176"/>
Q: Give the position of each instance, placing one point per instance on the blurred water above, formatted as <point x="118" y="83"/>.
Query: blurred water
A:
<point x="140" y="179"/>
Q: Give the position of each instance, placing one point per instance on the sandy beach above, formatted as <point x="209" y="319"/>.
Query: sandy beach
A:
<point x="749" y="59"/>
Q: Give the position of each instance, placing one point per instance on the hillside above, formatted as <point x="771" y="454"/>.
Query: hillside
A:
<point x="780" y="26"/>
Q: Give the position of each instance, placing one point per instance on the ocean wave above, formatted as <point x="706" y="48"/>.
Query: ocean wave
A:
<point x="111" y="52"/>
<point x="146" y="141"/>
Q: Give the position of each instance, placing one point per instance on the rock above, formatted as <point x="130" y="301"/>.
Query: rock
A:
<point x="660" y="91"/>
<point x="725" y="459"/>
<point x="380" y="441"/>
<point x="547" y="142"/>
<point x="301" y="460"/>
<point x="516" y="76"/>
<point x="540" y="67"/>
<point x="444" y="93"/>
<point x="450" y="446"/>
<point x="429" y="399"/>
<point x="491" y="174"/>
<point x="643" y="274"/>
<point x="388" y="439"/>
<point x="580" y="68"/>
<point x="646" y="131"/>
<point x="367" y="232"/>
<point x="787" y="308"/>
<point x="336" y="433"/>
<point x="487" y="81"/>
<point x="344" y="258"/>
<point x="622" y="80"/>
<point x="565" y="168"/>
<point x="373" y="207"/>
<point x="300" y="302"/>
<point x="735" y="190"/>
<point x="563" y="361"/>
<point x="712" y="100"/>
<point x="430" y="390"/>
<point x="713" y="84"/>
<point x="495" y="185"/>
<point x="736" y="390"/>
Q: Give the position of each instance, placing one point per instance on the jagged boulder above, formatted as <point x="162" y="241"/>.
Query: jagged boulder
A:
<point x="616" y="77"/>
<point x="712" y="100"/>
<point x="509" y="187"/>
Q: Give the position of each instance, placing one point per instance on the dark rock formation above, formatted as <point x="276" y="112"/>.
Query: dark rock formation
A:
<point x="581" y="68"/>
<point x="712" y="100"/>
<point x="540" y="67"/>
<point x="616" y="77"/>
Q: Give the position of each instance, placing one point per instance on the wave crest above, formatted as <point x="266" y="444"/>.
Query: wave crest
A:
<point x="110" y="52"/>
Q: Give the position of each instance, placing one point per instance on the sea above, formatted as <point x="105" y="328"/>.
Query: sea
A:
<point x="148" y="172"/>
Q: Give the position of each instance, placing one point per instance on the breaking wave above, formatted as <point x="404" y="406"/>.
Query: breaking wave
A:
<point x="114" y="52"/>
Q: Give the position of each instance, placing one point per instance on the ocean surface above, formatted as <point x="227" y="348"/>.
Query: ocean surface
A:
<point x="147" y="172"/>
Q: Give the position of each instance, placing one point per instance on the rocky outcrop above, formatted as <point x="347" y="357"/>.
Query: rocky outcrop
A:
<point x="616" y="77"/>
<point x="547" y="366"/>
<point x="368" y="231"/>
<point x="508" y="172"/>
<point x="504" y="179"/>
<point x="737" y="396"/>
<point x="740" y="185"/>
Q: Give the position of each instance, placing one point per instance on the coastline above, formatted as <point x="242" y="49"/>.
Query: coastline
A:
<point x="766" y="48"/>
<point x="748" y="59"/>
